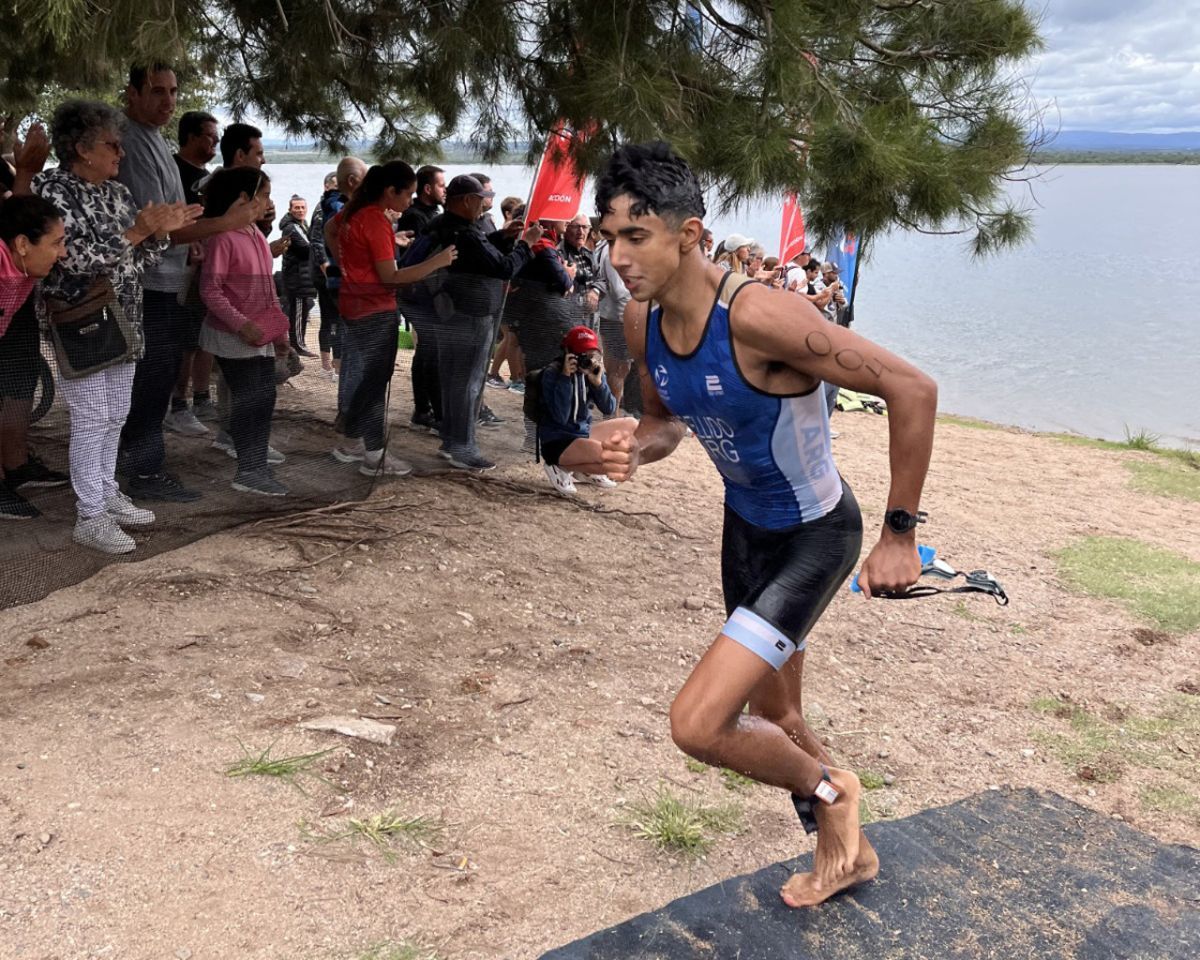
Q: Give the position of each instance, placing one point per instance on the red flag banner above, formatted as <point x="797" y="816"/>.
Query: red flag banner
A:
<point x="791" y="234"/>
<point x="558" y="189"/>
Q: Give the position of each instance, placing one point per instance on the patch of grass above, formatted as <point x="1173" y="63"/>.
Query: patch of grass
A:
<point x="382" y="830"/>
<point x="1156" y="584"/>
<point x="1052" y="705"/>
<point x="1090" y="749"/>
<point x="680" y="826"/>
<point x="1017" y="629"/>
<point x="1099" y="750"/>
<point x="1169" y="479"/>
<point x="1171" y="801"/>
<point x="283" y="768"/>
<point x="871" y="780"/>
<point x="1180" y="718"/>
<point x="1141" y="440"/>
<point x="871" y="809"/>
<point x="405" y="950"/>
<point x="970" y="422"/>
<point x="735" y="781"/>
<point x="960" y="609"/>
<point x="695" y="766"/>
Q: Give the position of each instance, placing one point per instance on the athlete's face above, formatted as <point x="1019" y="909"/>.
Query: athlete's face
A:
<point x="646" y="251"/>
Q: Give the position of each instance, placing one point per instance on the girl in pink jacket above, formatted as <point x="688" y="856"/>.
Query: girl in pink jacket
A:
<point x="244" y="326"/>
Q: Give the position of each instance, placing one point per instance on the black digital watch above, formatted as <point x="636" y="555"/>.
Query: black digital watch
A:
<point x="900" y="520"/>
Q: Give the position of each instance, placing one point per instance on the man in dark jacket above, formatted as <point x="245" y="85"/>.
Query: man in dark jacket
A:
<point x="297" y="273"/>
<point x="426" y="205"/>
<point x="427" y="202"/>
<point x="318" y="263"/>
<point x="465" y="302"/>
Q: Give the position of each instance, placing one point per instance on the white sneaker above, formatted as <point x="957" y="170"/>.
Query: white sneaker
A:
<point x="833" y="434"/>
<point x="102" y="533"/>
<point x="378" y="463"/>
<point x="185" y="422"/>
<point x="351" y="451"/>
<point x="125" y="513"/>
<point x="330" y="375"/>
<point x="561" y="480"/>
<point x="599" y="479"/>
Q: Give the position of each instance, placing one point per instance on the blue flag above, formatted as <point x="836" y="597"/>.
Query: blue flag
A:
<point x="843" y="250"/>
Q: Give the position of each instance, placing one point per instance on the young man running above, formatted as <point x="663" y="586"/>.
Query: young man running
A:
<point x="742" y="366"/>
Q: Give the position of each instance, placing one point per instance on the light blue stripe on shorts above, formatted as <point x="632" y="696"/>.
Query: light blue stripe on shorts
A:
<point x="758" y="636"/>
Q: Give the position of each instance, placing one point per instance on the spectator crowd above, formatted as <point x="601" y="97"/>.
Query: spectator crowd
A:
<point x="149" y="277"/>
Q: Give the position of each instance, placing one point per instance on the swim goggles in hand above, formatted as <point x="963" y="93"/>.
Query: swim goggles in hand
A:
<point x="977" y="581"/>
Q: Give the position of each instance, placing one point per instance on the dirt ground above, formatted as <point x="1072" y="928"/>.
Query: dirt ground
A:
<point x="526" y="650"/>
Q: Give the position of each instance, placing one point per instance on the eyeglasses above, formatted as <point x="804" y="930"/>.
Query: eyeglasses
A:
<point x="114" y="145"/>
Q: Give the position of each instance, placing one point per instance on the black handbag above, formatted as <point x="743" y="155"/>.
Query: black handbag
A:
<point x="91" y="334"/>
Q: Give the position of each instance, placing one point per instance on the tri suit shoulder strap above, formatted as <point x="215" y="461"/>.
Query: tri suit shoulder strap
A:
<point x="730" y="285"/>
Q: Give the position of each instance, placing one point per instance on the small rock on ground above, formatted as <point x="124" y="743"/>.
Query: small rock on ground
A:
<point x="358" y="727"/>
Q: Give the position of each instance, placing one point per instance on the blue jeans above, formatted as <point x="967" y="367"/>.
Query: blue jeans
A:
<point x="373" y="340"/>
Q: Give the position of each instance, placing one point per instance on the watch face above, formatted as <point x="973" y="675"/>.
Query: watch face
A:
<point x="900" y="521"/>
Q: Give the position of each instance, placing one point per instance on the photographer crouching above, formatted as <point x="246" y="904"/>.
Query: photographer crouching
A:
<point x="566" y="389"/>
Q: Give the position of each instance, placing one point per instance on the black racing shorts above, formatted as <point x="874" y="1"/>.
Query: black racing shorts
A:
<point x="778" y="582"/>
<point x="552" y="450"/>
<point x="19" y="349"/>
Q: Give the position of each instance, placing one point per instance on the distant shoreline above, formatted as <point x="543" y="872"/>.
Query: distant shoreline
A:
<point x="518" y="158"/>
<point x="1118" y="157"/>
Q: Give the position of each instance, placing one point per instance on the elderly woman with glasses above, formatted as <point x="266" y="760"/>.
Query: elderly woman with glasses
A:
<point x="107" y="237"/>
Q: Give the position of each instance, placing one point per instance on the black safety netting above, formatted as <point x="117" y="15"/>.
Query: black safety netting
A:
<point x="403" y="375"/>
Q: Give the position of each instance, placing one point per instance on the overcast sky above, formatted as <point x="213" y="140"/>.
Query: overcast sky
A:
<point x="1114" y="65"/>
<point x="1120" y="65"/>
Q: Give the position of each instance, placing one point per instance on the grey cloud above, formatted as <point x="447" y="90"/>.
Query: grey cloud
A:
<point x="1112" y="65"/>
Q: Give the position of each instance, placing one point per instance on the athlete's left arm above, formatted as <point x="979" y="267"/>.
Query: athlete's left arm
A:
<point x="774" y="325"/>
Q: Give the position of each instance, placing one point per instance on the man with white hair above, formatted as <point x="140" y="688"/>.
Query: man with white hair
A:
<point x="590" y="284"/>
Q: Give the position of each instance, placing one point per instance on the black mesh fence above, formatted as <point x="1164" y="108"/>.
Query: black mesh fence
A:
<point x="421" y="382"/>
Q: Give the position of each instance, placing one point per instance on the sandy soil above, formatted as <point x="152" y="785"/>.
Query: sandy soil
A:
<point x="526" y="649"/>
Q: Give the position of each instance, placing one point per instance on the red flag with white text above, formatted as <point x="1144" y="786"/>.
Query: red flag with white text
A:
<point x="791" y="233"/>
<point x="557" y="191"/>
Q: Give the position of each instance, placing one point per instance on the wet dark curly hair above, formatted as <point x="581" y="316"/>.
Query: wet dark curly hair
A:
<point x="657" y="179"/>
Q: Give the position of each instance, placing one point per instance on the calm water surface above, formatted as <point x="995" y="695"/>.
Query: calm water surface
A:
<point x="1091" y="327"/>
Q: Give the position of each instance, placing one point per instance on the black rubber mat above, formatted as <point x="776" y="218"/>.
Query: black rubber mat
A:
<point x="1012" y="874"/>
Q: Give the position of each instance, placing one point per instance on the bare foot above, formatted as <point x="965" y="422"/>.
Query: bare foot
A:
<point x="838" y="828"/>
<point x="838" y="843"/>
<point x="805" y="890"/>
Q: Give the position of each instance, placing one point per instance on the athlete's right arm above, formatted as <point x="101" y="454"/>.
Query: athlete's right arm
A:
<point x="658" y="433"/>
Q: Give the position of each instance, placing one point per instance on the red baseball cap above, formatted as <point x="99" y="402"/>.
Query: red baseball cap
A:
<point x="580" y="340"/>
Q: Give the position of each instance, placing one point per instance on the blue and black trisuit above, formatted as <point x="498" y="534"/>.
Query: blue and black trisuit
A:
<point x="793" y="530"/>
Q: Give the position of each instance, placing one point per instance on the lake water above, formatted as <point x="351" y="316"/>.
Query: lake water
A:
<point x="1086" y="328"/>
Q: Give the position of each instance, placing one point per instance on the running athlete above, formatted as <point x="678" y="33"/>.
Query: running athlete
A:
<point x="742" y="366"/>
